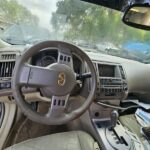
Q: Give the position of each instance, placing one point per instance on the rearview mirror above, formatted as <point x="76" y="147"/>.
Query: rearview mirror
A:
<point x="138" y="16"/>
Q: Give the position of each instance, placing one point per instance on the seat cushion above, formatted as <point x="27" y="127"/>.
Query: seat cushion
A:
<point x="75" y="140"/>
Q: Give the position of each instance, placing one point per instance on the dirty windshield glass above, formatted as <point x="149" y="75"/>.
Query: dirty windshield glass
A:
<point x="95" y="28"/>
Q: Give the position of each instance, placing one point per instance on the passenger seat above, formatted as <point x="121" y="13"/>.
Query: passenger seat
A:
<point x="130" y="122"/>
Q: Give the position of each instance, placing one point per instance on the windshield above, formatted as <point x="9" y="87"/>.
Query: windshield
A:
<point x="95" y="28"/>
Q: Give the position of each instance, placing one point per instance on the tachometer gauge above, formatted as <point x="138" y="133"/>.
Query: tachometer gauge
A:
<point x="47" y="60"/>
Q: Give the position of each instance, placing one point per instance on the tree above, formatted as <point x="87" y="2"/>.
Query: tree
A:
<point x="13" y="12"/>
<point x="94" y="23"/>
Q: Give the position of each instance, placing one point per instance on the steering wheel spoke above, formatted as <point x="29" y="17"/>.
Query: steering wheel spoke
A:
<point x="58" y="105"/>
<point x="65" y="57"/>
<point x="33" y="76"/>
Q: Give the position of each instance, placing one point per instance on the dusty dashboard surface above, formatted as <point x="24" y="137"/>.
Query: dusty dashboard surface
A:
<point x="116" y="76"/>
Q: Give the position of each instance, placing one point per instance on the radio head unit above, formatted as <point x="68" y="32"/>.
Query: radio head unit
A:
<point x="112" y="82"/>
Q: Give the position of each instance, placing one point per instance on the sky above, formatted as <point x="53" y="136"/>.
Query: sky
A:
<point x="41" y="8"/>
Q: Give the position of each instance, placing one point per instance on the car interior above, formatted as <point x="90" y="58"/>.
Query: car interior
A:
<point x="59" y="90"/>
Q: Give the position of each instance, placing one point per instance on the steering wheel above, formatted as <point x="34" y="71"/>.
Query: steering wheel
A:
<point x="58" y="78"/>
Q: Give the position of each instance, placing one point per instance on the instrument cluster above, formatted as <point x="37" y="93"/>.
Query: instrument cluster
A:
<point x="48" y="57"/>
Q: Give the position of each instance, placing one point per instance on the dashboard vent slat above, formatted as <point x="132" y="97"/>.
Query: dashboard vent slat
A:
<point x="8" y="56"/>
<point x="6" y="68"/>
<point x="2" y="72"/>
<point x="10" y="69"/>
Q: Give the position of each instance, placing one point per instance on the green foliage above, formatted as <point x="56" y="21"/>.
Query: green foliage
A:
<point x="13" y="12"/>
<point x="94" y="23"/>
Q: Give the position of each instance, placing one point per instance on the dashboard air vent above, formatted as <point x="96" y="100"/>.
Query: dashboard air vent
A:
<point x="8" y="56"/>
<point x="6" y="68"/>
<point x="122" y="72"/>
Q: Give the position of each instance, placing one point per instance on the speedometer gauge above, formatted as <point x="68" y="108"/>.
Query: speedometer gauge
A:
<point x="47" y="60"/>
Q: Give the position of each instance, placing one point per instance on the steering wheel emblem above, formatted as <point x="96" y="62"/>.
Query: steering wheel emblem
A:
<point x="61" y="79"/>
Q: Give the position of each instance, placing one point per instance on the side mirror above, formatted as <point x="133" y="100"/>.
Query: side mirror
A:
<point x="138" y="16"/>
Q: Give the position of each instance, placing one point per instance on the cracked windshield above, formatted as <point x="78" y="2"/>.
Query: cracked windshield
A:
<point x="93" y="28"/>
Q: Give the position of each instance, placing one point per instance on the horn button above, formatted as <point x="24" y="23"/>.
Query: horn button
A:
<point x="64" y="80"/>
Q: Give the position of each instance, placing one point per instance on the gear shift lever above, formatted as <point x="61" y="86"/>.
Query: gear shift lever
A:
<point x="114" y="118"/>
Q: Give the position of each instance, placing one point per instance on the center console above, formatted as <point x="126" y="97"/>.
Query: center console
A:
<point x="116" y="138"/>
<point x="111" y="89"/>
<point x="112" y="82"/>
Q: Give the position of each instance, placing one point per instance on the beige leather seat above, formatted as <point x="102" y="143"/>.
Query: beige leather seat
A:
<point x="76" y="140"/>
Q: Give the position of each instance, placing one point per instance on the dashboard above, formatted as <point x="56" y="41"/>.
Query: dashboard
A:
<point x="116" y="77"/>
<point x="111" y="76"/>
